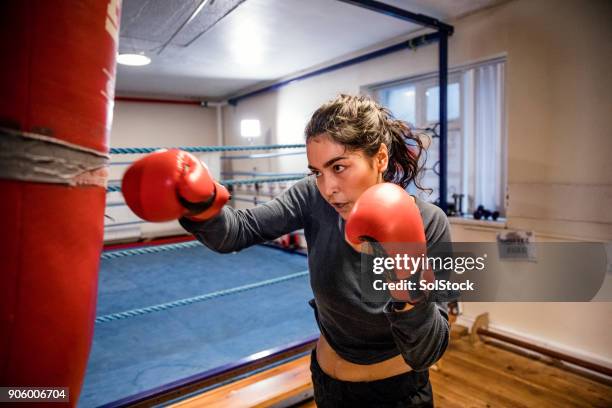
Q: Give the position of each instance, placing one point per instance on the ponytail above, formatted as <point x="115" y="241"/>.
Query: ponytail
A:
<point x="405" y="153"/>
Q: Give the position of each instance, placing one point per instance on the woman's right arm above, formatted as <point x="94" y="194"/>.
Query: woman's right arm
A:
<point x="173" y="184"/>
<point x="233" y="230"/>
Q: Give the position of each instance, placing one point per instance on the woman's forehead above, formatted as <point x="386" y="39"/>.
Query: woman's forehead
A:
<point x="322" y="149"/>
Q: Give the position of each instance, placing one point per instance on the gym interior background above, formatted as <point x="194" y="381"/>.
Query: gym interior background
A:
<point x="528" y="137"/>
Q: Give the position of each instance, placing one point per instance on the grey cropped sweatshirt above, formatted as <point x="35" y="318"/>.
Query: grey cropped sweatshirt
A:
<point x="360" y="332"/>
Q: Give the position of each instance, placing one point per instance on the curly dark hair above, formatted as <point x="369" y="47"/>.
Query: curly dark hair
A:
<point x="360" y="123"/>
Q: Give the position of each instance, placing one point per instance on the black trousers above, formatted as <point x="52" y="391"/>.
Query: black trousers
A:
<point x="411" y="389"/>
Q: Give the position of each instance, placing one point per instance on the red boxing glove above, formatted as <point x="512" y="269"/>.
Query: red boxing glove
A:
<point x="386" y="214"/>
<point x="169" y="184"/>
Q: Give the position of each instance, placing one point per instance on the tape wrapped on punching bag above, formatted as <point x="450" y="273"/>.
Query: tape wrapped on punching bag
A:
<point x="57" y="87"/>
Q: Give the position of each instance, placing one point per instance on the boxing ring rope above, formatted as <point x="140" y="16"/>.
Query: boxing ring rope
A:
<point x="260" y="173"/>
<point x="196" y="299"/>
<point x="201" y="149"/>
<point x="112" y="189"/>
<point x="261" y="155"/>
<point x="148" y="250"/>
<point x="235" y="157"/>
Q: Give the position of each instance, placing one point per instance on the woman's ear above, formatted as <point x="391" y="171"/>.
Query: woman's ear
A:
<point x="382" y="158"/>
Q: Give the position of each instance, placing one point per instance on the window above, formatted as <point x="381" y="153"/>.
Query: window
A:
<point x="403" y="98"/>
<point x="433" y="94"/>
<point x="476" y="165"/>
<point x="250" y="128"/>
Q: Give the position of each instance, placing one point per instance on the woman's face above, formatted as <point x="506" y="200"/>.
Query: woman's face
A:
<point x="342" y="175"/>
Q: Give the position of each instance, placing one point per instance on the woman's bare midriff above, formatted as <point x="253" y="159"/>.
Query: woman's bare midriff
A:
<point x="337" y="367"/>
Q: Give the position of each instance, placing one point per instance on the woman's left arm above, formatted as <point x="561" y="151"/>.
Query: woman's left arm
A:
<point x="422" y="332"/>
<point x="233" y="230"/>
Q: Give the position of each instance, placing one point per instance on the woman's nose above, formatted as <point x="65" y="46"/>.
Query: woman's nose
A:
<point x="330" y="188"/>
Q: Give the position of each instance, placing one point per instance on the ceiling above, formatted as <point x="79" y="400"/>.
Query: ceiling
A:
<point x="233" y="45"/>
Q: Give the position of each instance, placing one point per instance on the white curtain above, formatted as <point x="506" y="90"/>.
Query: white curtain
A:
<point x="484" y="148"/>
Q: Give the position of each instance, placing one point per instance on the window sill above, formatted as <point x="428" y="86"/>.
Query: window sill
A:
<point x="470" y="221"/>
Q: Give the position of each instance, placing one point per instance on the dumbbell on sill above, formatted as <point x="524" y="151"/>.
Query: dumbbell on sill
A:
<point x="483" y="213"/>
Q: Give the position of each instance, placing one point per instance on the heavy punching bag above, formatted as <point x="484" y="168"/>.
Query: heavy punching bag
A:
<point x="57" y="88"/>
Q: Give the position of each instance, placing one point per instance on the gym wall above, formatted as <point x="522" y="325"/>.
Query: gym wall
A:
<point x="559" y="174"/>
<point x="137" y="124"/>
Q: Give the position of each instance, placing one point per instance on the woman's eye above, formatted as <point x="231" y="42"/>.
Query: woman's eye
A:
<point x="338" y="168"/>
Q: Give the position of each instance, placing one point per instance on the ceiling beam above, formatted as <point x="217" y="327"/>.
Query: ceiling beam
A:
<point x="402" y="14"/>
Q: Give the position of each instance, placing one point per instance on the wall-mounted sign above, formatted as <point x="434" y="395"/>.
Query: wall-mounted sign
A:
<point x="517" y="246"/>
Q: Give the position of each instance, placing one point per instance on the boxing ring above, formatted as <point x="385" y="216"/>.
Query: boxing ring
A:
<point x="167" y="312"/>
<point x="173" y="309"/>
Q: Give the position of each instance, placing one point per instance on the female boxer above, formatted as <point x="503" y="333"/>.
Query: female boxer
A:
<point x="369" y="353"/>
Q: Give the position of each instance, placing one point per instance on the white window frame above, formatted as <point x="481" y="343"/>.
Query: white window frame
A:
<point x="421" y="83"/>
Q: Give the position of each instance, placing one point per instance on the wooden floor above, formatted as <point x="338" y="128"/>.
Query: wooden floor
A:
<point x="480" y="375"/>
<point x="484" y="375"/>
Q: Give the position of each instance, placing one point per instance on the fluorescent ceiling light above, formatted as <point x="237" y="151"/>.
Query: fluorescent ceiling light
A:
<point x="135" y="60"/>
<point x="246" y="44"/>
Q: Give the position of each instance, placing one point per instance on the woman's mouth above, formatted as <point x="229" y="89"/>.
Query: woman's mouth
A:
<point x="340" y="207"/>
